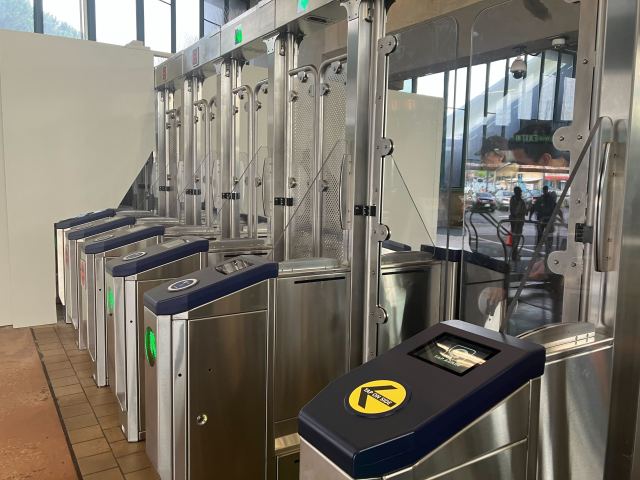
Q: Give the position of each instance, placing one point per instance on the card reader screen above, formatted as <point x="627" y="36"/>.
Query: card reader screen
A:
<point x="454" y="354"/>
<point x="233" y="266"/>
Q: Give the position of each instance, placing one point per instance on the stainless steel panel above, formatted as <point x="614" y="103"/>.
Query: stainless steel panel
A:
<point x="311" y="343"/>
<point x="201" y="53"/>
<point x="60" y="248"/>
<point x="289" y="467"/>
<point x="506" y="424"/>
<point x="228" y="385"/>
<point x="179" y="402"/>
<point x="110" y="320"/>
<point x="287" y="10"/>
<point x="86" y="300"/>
<point x="169" y="71"/>
<point x="96" y="303"/>
<point x="315" y="466"/>
<point x="174" y="269"/>
<point x="249" y="299"/>
<point x="158" y="399"/>
<point x="411" y="296"/>
<point x="132" y="357"/>
<point x="574" y="412"/>
<point x="254" y="24"/>
<point x="71" y="289"/>
<point x="118" y="380"/>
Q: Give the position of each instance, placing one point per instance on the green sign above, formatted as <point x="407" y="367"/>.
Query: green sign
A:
<point x="238" y="34"/>
<point x="150" y="348"/>
<point x="302" y="5"/>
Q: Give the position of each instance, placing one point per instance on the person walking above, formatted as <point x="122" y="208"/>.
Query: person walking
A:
<point x="517" y="213"/>
<point x="543" y="209"/>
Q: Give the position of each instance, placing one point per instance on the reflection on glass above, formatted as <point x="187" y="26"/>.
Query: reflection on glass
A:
<point x="214" y="16"/>
<point x="187" y="23"/>
<point x="62" y="18"/>
<point x="157" y="25"/>
<point x="115" y="21"/>
<point x="515" y="175"/>
<point x="16" y="15"/>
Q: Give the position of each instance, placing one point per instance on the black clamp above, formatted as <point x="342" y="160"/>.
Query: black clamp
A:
<point x="164" y="188"/>
<point x="365" y="210"/>
<point x="193" y="191"/>
<point x="584" y="233"/>
<point x="231" y="196"/>
<point x="283" y="201"/>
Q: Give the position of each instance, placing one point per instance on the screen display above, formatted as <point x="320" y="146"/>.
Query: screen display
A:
<point x="454" y="354"/>
<point x="233" y="266"/>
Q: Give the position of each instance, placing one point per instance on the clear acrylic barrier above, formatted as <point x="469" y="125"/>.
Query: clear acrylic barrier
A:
<point x="516" y="180"/>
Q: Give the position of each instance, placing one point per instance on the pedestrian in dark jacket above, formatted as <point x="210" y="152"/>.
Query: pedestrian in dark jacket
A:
<point x="517" y="213"/>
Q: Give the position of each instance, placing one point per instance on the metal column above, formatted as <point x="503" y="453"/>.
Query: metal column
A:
<point x="161" y="154"/>
<point x="230" y="216"/>
<point x="191" y="209"/>
<point x="285" y="59"/>
<point x="366" y="22"/>
<point x="171" y="155"/>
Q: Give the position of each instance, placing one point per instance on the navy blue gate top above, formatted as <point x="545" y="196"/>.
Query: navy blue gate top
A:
<point x="97" y="229"/>
<point x="86" y="218"/>
<point x="126" y="237"/>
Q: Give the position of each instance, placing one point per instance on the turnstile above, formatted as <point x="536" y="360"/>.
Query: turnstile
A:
<point x="75" y="238"/>
<point x="241" y="346"/>
<point x="127" y="280"/>
<point x="92" y="329"/>
<point x="456" y="401"/>
<point x="60" y="229"/>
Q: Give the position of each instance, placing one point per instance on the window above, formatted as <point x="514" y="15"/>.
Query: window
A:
<point x="16" y="15"/>
<point x="62" y="18"/>
<point x="213" y="16"/>
<point x="157" y="25"/>
<point x="187" y="23"/>
<point x="116" y="21"/>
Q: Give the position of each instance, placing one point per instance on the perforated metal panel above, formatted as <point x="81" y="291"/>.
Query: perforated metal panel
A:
<point x="333" y="149"/>
<point x="303" y="166"/>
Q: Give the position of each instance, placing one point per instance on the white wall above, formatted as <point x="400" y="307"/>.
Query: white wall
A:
<point x="412" y="174"/>
<point x="77" y="126"/>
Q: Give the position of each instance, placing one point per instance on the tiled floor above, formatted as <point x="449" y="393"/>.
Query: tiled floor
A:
<point x="89" y="413"/>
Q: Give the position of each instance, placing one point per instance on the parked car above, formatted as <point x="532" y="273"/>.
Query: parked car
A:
<point x="503" y="197"/>
<point x="484" y="201"/>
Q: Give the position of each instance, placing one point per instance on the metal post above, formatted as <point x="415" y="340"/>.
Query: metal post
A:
<point x="161" y="151"/>
<point x="284" y="60"/>
<point x="188" y="147"/>
<point x="230" y="217"/>
<point x="365" y="113"/>
<point x="206" y="174"/>
<point x="171" y="149"/>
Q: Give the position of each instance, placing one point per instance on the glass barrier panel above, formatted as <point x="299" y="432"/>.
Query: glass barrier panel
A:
<point x="420" y="200"/>
<point x="521" y="91"/>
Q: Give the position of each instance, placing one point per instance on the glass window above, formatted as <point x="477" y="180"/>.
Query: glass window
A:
<point x="62" y="18"/>
<point x="116" y="21"/>
<point x="187" y="23"/>
<point x="213" y="16"/>
<point x="16" y="15"/>
<point x="157" y="25"/>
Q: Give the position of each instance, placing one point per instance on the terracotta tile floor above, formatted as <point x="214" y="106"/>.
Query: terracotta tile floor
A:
<point x="89" y="414"/>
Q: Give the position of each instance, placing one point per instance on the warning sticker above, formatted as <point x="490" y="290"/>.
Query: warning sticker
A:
<point x="377" y="398"/>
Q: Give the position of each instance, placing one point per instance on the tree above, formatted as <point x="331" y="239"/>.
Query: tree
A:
<point x="18" y="15"/>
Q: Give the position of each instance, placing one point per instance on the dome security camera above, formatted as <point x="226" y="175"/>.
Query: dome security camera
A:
<point x="519" y="68"/>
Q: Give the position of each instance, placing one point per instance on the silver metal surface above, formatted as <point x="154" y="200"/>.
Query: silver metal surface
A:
<point x="126" y="339"/>
<point x="410" y="292"/>
<point x="201" y="54"/>
<point x="169" y="72"/>
<point x="230" y="215"/>
<point x="255" y="23"/>
<point x="311" y="343"/>
<point x="228" y="385"/>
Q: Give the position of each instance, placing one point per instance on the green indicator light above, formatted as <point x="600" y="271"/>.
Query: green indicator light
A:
<point x="302" y="5"/>
<point x="111" y="300"/>
<point x="238" y="34"/>
<point x="150" y="349"/>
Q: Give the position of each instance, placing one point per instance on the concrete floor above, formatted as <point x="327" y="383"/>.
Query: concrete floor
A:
<point x="89" y="440"/>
